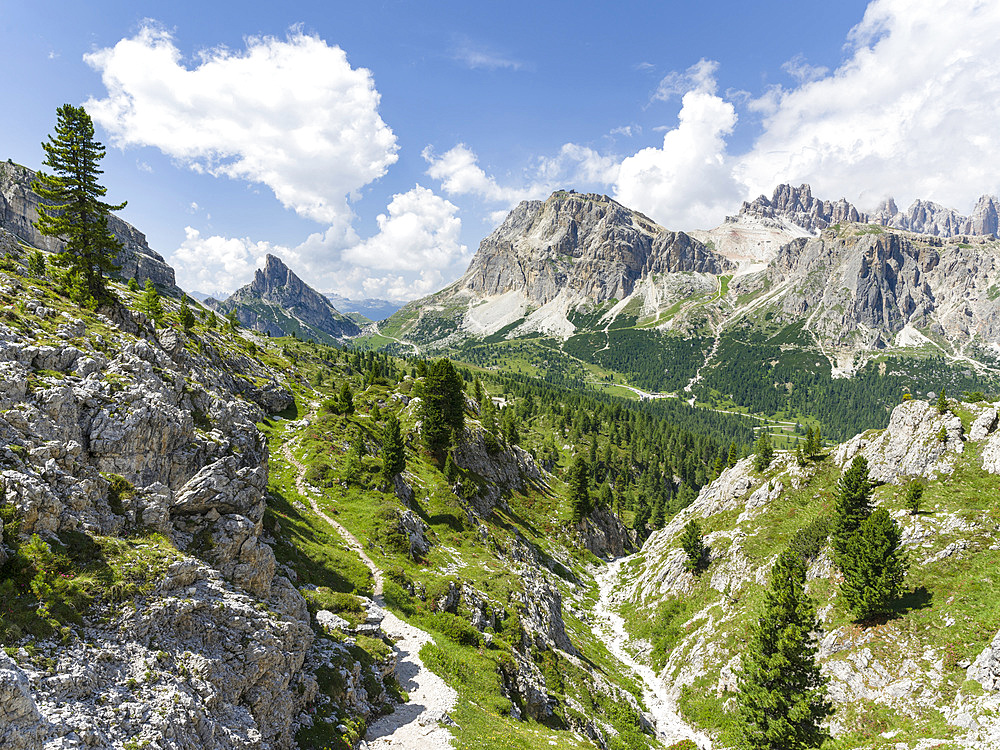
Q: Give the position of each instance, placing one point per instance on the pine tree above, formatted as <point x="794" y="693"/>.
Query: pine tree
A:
<point x="914" y="492"/>
<point x="693" y="546"/>
<point x="36" y="264"/>
<point x="942" y="402"/>
<point x="764" y="451"/>
<point x="782" y="699"/>
<point x="393" y="449"/>
<point x="852" y="505"/>
<point x="873" y="566"/>
<point x="605" y="499"/>
<point x="184" y="316"/>
<point x="579" y="488"/>
<point x="345" y="399"/>
<point x="508" y="427"/>
<point x="150" y="302"/>
<point x="72" y="209"/>
<point x="733" y="456"/>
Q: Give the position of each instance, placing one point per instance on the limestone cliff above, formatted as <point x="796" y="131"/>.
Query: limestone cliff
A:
<point x="581" y="244"/>
<point x="19" y="210"/>
<point x="132" y="471"/>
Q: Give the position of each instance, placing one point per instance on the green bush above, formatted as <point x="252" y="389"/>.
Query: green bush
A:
<point x="808" y="541"/>
<point x="456" y="628"/>
<point x="119" y="490"/>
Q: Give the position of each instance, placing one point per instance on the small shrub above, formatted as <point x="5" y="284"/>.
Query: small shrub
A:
<point x="808" y="541"/>
<point x="456" y="628"/>
<point x="119" y="490"/>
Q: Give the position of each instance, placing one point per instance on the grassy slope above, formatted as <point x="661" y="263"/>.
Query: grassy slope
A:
<point x="461" y="552"/>
<point x="950" y="612"/>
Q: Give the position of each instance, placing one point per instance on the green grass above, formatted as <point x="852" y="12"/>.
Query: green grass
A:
<point x="48" y="587"/>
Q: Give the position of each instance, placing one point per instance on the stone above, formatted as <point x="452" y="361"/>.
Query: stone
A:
<point x="910" y="446"/>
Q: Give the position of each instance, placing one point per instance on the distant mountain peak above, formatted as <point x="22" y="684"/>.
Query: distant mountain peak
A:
<point x="797" y="205"/>
<point x="278" y="302"/>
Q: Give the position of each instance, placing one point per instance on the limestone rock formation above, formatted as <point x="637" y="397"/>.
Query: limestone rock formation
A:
<point x="927" y="217"/>
<point x="19" y="210"/>
<point x="581" y="244"/>
<point x="798" y="206"/>
<point x="123" y="434"/>
<point x="279" y="303"/>
<point x="910" y="446"/>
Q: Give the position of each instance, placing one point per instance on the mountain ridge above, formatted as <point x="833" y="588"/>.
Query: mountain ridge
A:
<point x="277" y="302"/>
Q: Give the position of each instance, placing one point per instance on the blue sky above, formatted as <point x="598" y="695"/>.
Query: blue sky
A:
<point x="373" y="145"/>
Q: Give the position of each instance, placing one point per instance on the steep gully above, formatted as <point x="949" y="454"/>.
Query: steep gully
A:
<point x="419" y="722"/>
<point x="610" y="628"/>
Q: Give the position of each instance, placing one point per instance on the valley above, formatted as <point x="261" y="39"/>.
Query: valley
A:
<point x="201" y="499"/>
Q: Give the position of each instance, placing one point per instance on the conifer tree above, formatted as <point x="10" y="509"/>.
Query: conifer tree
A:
<point x="605" y="499"/>
<point x="733" y="456"/>
<point x="393" y="449"/>
<point x="764" y="451"/>
<point x="914" y="492"/>
<point x="36" y="264"/>
<point x="873" y="566"/>
<point x="579" y="488"/>
<point x="942" y="402"/>
<point x="345" y="398"/>
<point x="782" y="696"/>
<point x="852" y="504"/>
<point x="693" y="546"/>
<point x="443" y="406"/>
<point x="184" y="316"/>
<point x="150" y="302"/>
<point x="72" y="209"/>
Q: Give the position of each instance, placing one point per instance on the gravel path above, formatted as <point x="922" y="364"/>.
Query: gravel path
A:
<point x="610" y="628"/>
<point x="419" y="723"/>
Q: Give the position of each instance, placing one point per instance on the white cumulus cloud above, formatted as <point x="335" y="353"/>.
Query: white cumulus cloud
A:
<point x="210" y="264"/>
<point x="688" y="181"/>
<point x="417" y="245"/>
<point x="912" y="112"/>
<point x="290" y="113"/>
<point x="420" y="230"/>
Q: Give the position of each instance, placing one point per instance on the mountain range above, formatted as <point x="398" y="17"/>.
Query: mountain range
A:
<point x="199" y="545"/>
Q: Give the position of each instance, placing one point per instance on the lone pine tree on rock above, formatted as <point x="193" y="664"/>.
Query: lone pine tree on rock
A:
<point x="873" y="567"/>
<point x="72" y="209"/>
<point x="782" y="695"/>
<point x="764" y="451"/>
<point x="852" y="505"/>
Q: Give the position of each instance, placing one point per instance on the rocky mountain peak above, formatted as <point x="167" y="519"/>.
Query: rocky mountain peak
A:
<point x="275" y="275"/>
<point x="797" y="205"/>
<point x="279" y="303"/>
<point x="927" y="217"/>
<point x="586" y="244"/>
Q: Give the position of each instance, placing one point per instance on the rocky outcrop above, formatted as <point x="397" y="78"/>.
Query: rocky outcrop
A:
<point x="583" y="245"/>
<point x="927" y="217"/>
<point x="605" y="535"/>
<point x="541" y="616"/>
<point x="509" y="469"/>
<point x="123" y="433"/>
<point x="797" y="205"/>
<point x="279" y="303"/>
<point x="911" y="446"/>
<point x="19" y="211"/>
<point x="986" y="668"/>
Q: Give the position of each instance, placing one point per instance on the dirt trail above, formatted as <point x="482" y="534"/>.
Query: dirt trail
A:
<point x="610" y="628"/>
<point x="419" y="723"/>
